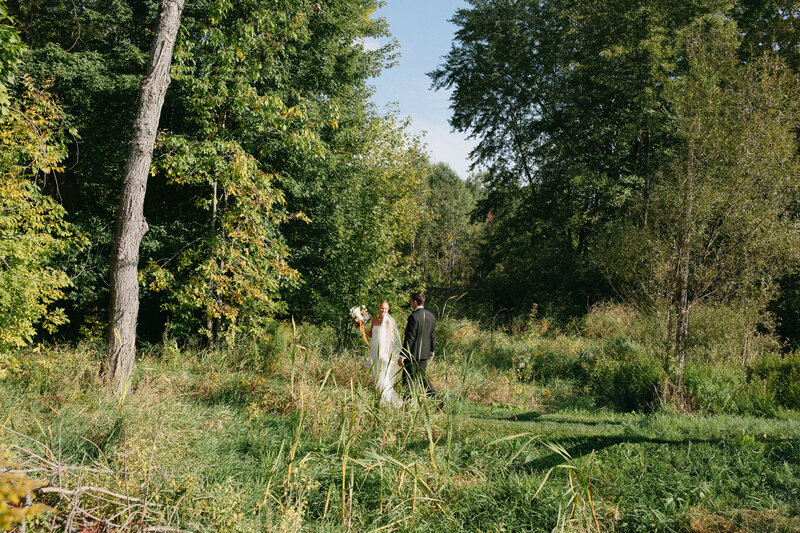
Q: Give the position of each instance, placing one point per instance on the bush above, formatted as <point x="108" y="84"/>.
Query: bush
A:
<point x="33" y="229"/>
<point x="262" y="352"/>
<point x="724" y="389"/>
<point x="15" y="487"/>
<point x="608" y="320"/>
<point x="617" y="371"/>
<point x="54" y="371"/>
<point x="623" y="374"/>
<point x="781" y="377"/>
<point x="727" y="333"/>
<point x="559" y="357"/>
<point x="323" y="340"/>
<point x="457" y="334"/>
<point x="462" y="340"/>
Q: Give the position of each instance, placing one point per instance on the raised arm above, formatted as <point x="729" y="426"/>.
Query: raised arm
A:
<point x="364" y="333"/>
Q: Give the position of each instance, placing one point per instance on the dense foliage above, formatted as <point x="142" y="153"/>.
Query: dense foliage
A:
<point x="271" y="170"/>
<point x="11" y="48"/>
<point x="33" y="230"/>
<point x="635" y="151"/>
<point x="570" y="102"/>
<point x="446" y="240"/>
<point x="644" y="151"/>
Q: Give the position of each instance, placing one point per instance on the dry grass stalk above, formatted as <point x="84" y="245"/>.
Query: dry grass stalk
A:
<point x="82" y="506"/>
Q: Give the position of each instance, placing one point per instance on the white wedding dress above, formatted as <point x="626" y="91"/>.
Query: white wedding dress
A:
<point x="383" y="354"/>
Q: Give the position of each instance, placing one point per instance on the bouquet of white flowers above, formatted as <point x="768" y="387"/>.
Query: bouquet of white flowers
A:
<point x="359" y="313"/>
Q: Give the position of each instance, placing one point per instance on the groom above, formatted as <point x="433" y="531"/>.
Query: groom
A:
<point x="419" y="343"/>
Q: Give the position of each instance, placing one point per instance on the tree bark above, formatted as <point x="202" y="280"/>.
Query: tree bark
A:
<point x="131" y="225"/>
<point x="682" y="292"/>
<point x="209" y="312"/>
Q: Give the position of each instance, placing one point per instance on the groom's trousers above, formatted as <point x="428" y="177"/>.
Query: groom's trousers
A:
<point x="414" y="373"/>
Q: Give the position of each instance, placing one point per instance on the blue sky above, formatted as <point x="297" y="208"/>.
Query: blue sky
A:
<point x="425" y="34"/>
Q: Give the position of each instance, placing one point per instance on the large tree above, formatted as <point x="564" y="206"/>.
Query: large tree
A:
<point x="131" y="225"/>
<point x="645" y="144"/>
<point x="266" y="126"/>
<point x="364" y="206"/>
<point x="446" y="237"/>
<point x="724" y="207"/>
<point x="297" y="104"/>
<point x="563" y="97"/>
<point x="94" y="53"/>
<point x="567" y="101"/>
<point x="226" y="261"/>
<point x="721" y="225"/>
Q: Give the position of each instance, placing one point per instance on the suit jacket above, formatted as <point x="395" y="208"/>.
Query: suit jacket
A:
<point x="419" y="339"/>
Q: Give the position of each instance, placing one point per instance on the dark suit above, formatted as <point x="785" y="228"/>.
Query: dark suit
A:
<point x="419" y="344"/>
<point x="419" y="339"/>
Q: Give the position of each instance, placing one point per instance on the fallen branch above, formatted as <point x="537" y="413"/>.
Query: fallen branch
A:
<point x="80" y="490"/>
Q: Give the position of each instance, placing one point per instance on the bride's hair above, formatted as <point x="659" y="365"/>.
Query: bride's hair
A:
<point x="383" y="302"/>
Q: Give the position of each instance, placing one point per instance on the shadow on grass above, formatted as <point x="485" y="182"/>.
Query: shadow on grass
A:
<point x="579" y="447"/>
<point x="530" y="416"/>
<point x="777" y="450"/>
<point x="537" y="416"/>
<point x="534" y="416"/>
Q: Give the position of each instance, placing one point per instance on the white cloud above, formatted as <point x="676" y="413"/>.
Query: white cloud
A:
<point x="370" y="44"/>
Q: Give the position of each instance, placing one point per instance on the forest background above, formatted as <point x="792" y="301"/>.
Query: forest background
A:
<point x="644" y="156"/>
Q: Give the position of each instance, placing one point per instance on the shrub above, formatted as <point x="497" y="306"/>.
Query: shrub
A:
<point x="727" y="333"/>
<point x="55" y="371"/>
<point x="14" y="488"/>
<point x="455" y="335"/>
<point x="526" y="362"/>
<point x="781" y="377"/>
<point x="724" y="389"/>
<point x="33" y="229"/>
<point x="559" y="357"/>
<point x="321" y="339"/>
<point x="608" y="320"/>
<point x="495" y="353"/>
<point x="258" y="351"/>
<point x="265" y="350"/>
<point x="462" y="340"/>
<point x="623" y="374"/>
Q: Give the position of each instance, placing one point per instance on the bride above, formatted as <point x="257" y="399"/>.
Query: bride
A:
<point x="384" y="351"/>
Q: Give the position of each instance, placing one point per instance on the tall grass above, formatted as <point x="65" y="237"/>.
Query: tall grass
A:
<point x="246" y="438"/>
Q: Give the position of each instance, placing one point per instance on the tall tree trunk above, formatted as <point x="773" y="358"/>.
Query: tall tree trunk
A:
<point x="131" y="225"/>
<point x="209" y="312"/>
<point x="684" y="258"/>
<point x="452" y="260"/>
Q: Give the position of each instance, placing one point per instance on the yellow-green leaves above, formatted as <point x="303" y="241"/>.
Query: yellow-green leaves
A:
<point x="240" y="261"/>
<point x="32" y="226"/>
<point x="11" y="48"/>
<point x="14" y="488"/>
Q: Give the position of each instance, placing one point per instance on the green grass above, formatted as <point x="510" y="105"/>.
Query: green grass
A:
<point x="209" y="444"/>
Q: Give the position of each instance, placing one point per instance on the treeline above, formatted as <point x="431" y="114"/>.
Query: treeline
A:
<point x="276" y="188"/>
<point x="636" y="151"/>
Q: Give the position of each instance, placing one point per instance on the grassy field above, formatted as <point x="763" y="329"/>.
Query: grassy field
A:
<point x="287" y="436"/>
